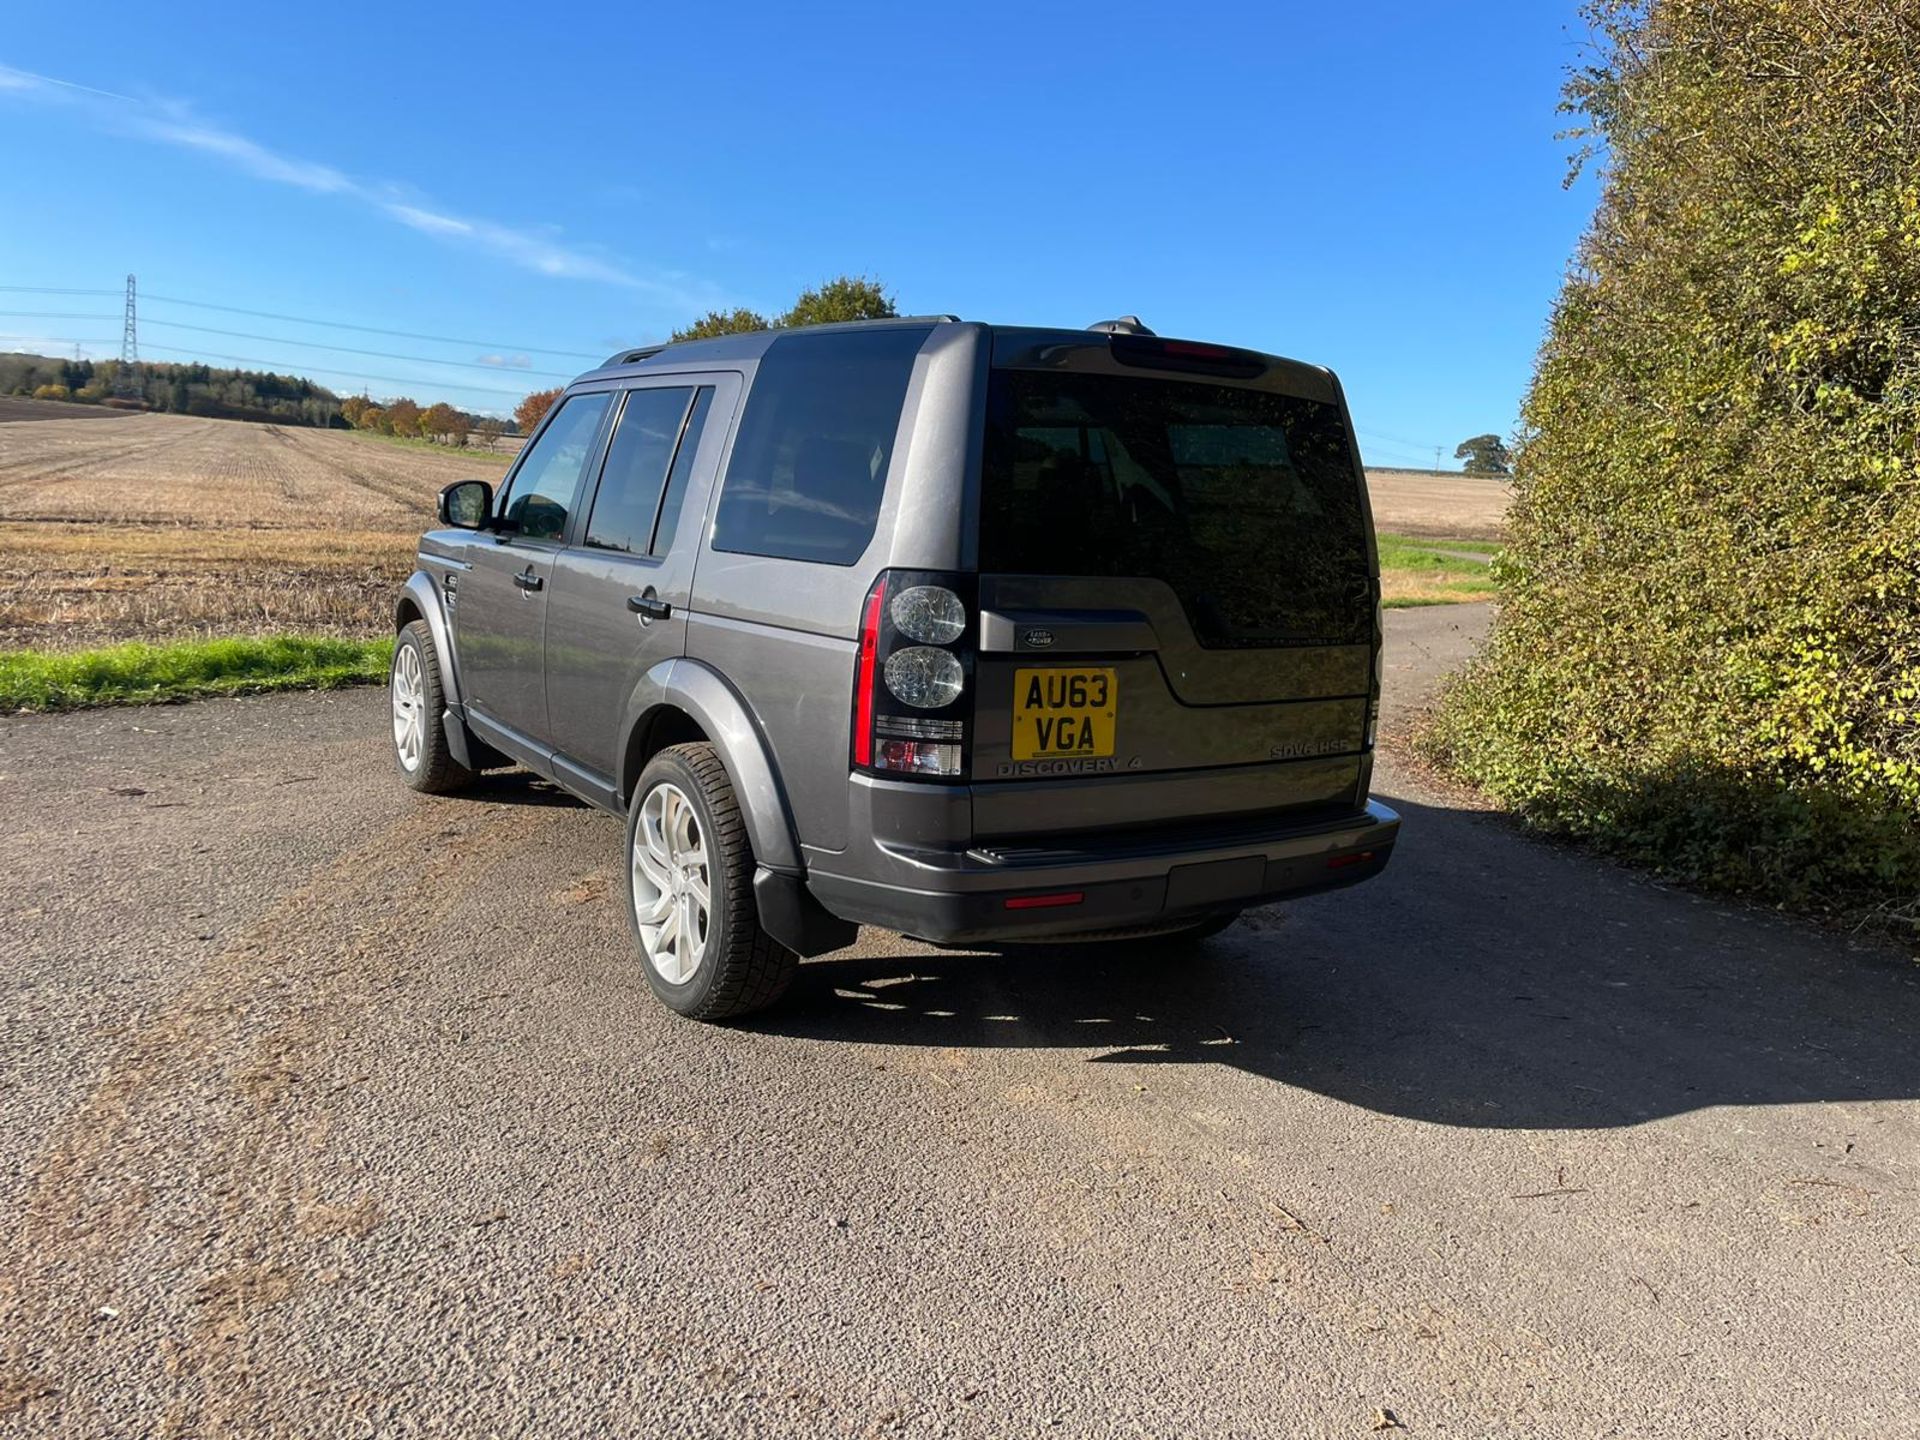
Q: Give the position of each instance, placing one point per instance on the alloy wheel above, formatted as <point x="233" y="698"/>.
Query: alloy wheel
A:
<point x="672" y="887"/>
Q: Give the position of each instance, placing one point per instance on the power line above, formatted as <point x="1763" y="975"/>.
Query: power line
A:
<point x="374" y="330"/>
<point x="310" y="320"/>
<point x="292" y="340"/>
<point x="282" y="368"/>
<point x="58" y="340"/>
<point x="349" y="350"/>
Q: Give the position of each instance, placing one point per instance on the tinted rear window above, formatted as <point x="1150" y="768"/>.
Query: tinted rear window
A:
<point x="1245" y="502"/>
<point x="810" y="461"/>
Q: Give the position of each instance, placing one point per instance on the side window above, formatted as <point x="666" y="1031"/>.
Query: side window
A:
<point x="682" y="470"/>
<point x="543" y="487"/>
<point x="636" y="470"/>
<point x="811" y="456"/>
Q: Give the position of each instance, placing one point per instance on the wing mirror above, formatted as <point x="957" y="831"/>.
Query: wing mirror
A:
<point x="466" y="505"/>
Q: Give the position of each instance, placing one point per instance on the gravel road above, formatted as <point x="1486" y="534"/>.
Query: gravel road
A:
<point x="327" y="1110"/>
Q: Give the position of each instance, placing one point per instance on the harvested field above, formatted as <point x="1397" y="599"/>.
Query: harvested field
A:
<point x="1439" y="505"/>
<point x="19" y="407"/>
<point x="164" y="526"/>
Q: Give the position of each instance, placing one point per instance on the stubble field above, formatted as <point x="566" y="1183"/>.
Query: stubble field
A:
<point x="156" y="527"/>
<point x="163" y="526"/>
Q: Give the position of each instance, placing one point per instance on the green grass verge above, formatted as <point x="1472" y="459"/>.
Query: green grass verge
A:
<point x="415" y="442"/>
<point x="1425" y="572"/>
<point x="143" y="674"/>
<point x="1398" y="552"/>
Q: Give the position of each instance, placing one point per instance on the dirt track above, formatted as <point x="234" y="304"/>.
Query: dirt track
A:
<point x="328" y="1110"/>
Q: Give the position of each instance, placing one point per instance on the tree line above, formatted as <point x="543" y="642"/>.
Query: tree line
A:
<point x="177" y="389"/>
<point x="440" y="422"/>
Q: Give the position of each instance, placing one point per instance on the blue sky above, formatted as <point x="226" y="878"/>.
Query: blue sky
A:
<point x="1374" y="187"/>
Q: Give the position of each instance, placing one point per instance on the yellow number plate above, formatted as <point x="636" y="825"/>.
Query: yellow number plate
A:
<point x="1063" y="714"/>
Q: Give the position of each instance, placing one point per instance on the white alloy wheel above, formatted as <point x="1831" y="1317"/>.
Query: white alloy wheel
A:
<point x="409" y="707"/>
<point x="672" y="888"/>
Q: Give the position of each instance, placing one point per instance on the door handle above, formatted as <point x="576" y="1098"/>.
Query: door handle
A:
<point x="649" y="606"/>
<point x="529" y="581"/>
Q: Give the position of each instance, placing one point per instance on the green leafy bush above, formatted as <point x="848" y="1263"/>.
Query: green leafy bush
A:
<point x="1708" y="650"/>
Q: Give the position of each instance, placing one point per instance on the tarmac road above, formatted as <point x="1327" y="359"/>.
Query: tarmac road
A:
<point x="327" y="1110"/>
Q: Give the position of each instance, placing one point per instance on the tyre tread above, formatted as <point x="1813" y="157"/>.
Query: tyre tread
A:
<point x="755" y="969"/>
<point x="439" y="773"/>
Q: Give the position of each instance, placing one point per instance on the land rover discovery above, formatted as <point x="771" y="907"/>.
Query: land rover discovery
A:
<point x="980" y="633"/>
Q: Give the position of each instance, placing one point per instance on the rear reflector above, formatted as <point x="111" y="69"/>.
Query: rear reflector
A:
<point x="916" y="757"/>
<point x="1340" y="862"/>
<point x="1044" y="902"/>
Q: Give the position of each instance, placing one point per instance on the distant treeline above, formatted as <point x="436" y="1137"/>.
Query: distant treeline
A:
<point x="440" y="423"/>
<point x="179" y="389"/>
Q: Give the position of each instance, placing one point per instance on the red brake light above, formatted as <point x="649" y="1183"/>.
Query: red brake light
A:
<point x="1190" y="350"/>
<point x="863" y="684"/>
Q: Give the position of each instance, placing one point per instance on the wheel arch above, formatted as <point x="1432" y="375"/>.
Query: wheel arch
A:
<point x="418" y="600"/>
<point x="682" y="700"/>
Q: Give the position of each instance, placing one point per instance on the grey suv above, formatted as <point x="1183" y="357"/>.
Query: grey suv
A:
<point x="979" y="633"/>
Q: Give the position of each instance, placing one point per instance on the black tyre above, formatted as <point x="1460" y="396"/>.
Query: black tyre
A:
<point x="688" y="880"/>
<point x="420" y="751"/>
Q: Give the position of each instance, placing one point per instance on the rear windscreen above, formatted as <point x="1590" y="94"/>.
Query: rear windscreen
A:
<point x="1245" y="502"/>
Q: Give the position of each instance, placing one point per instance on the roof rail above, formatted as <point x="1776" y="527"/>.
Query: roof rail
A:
<point x="634" y="356"/>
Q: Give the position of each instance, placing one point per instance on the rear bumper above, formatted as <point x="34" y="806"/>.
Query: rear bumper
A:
<point x="988" y="893"/>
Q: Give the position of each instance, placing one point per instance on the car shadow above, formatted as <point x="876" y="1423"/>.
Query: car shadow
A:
<point x="519" y="787"/>
<point x="1485" y="979"/>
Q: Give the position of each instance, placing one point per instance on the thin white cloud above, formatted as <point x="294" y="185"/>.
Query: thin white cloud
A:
<point x="540" y="250"/>
<point x="508" y="362"/>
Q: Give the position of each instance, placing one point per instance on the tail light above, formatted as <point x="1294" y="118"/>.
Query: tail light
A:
<point x="911" y="701"/>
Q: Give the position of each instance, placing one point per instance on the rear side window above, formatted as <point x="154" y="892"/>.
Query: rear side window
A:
<point x="636" y="470"/>
<point x="682" y="470"/>
<point x="1247" y="503"/>
<point x="810" y="460"/>
<point x="549" y="474"/>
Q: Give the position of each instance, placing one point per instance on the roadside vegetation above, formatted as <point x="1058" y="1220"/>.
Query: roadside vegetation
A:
<point x="137" y="673"/>
<point x="1427" y="572"/>
<point x="1708" y="651"/>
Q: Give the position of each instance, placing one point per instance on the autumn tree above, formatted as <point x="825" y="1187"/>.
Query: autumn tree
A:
<point x="442" y="419"/>
<point x="527" y="414"/>
<point x="403" y="417"/>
